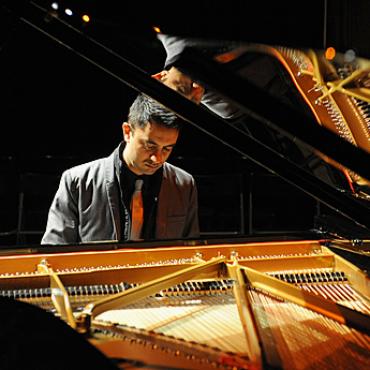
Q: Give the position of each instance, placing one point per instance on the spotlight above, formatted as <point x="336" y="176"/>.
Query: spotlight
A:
<point x="68" y="11"/>
<point x="330" y="53"/>
<point x="156" y="29"/>
<point x="86" y="18"/>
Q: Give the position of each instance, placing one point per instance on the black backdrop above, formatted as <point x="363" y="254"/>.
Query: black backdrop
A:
<point x="54" y="103"/>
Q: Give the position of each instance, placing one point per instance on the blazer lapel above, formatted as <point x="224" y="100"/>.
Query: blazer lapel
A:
<point x="162" y="208"/>
<point x="113" y="194"/>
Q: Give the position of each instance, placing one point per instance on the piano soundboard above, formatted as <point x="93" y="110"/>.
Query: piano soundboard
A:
<point x="282" y="304"/>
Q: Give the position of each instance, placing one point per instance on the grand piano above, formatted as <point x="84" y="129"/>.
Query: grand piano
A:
<point x="249" y="302"/>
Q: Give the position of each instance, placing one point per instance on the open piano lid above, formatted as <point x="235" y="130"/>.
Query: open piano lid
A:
<point x="321" y="108"/>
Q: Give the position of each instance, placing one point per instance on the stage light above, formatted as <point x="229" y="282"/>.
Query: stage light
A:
<point x="157" y="29"/>
<point x="68" y="11"/>
<point x="330" y="53"/>
<point x="86" y="18"/>
<point x="55" y="6"/>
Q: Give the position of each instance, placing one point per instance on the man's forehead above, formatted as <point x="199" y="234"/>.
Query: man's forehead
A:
<point x="178" y="81"/>
<point x="175" y="75"/>
<point x="159" y="135"/>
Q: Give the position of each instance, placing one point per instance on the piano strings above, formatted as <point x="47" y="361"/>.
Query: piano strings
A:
<point x="296" y="329"/>
<point x="199" y="320"/>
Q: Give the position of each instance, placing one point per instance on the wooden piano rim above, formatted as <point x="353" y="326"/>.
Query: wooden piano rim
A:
<point x="27" y="263"/>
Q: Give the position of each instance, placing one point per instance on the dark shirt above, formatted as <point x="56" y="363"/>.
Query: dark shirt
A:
<point x="150" y="190"/>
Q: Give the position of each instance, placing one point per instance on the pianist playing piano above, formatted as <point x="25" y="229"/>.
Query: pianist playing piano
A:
<point x="93" y="199"/>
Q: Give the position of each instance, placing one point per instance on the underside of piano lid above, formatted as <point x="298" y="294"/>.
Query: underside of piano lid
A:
<point x="248" y="305"/>
<point x="299" y="105"/>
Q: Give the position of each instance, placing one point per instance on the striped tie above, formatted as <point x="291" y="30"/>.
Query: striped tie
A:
<point x="137" y="211"/>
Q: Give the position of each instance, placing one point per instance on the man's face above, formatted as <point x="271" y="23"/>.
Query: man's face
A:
<point x="181" y="83"/>
<point x="148" y="148"/>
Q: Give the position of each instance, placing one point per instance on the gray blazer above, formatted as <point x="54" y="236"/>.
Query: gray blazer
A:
<point x="86" y="205"/>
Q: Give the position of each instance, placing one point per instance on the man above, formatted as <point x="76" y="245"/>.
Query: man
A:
<point x="219" y="50"/>
<point x="93" y="202"/>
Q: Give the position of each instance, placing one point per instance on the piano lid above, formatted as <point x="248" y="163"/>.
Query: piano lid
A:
<point x="264" y="112"/>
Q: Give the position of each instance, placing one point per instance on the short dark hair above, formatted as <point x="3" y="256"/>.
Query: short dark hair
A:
<point x="145" y="109"/>
<point x="210" y="48"/>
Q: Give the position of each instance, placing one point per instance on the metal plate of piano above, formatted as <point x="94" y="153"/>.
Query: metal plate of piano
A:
<point x="279" y="304"/>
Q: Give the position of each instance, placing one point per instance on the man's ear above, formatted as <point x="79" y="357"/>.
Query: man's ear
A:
<point x="160" y="75"/>
<point x="198" y="92"/>
<point x="126" y="129"/>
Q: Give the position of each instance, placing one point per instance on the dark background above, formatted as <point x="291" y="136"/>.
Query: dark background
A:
<point x="57" y="110"/>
